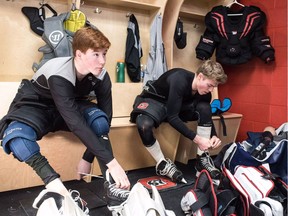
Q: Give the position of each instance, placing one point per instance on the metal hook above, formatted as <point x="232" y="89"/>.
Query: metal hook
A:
<point x="196" y="26"/>
<point x="42" y="2"/>
<point x="98" y="11"/>
<point x="128" y="14"/>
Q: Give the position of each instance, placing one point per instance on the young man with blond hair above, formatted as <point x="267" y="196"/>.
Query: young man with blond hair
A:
<point x="176" y="97"/>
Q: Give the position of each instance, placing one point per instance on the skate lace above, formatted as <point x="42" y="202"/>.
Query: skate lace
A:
<point x="118" y="192"/>
<point x="169" y="169"/>
<point x="207" y="162"/>
<point x="80" y="202"/>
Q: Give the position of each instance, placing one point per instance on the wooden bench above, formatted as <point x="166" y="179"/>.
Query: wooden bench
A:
<point x="64" y="150"/>
<point x="127" y="146"/>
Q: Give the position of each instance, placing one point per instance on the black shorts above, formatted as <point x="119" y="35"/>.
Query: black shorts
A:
<point x="157" y="110"/>
<point x="148" y="106"/>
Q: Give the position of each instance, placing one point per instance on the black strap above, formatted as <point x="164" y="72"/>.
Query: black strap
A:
<point x="223" y="124"/>
<point x="50" y="8"/>
<point x="279" y="184"/>
<point x="201" y="202"/>
<point x="227" y="199"/>
<point x="150" y="90"/>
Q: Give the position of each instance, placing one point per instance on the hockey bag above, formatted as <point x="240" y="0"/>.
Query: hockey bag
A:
<point x="140" y="203"/>
<point x="276" y="156"/>
<point x="259" y="148"/>
<point x="207" y="199"/>
<point x="258" y="194"/>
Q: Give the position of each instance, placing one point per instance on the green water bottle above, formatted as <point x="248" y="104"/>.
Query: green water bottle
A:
<point x="120" y="70"/>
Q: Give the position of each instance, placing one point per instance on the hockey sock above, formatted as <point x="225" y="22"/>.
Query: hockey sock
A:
<point x="203" y="132"/>
<point x="155" y="151"/>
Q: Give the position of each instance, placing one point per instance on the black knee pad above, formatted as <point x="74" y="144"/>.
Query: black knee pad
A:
<point x="204" y="111"/>
<point x="145" y="125"/>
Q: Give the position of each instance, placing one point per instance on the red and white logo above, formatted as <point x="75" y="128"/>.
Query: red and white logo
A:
<point x="159" y="182"/>
<point x="143" y="105"/>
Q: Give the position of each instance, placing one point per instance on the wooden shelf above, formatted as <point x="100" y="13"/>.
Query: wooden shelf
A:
<point x="188" y="14"/>
<point x="198" y="9"/>
<point x="148" y="4"/>
<point x="143" y="5"/>
<point x="194" y="8"/>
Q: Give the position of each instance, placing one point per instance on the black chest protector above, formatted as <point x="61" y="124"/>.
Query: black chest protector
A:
<point x="235" y="38"/>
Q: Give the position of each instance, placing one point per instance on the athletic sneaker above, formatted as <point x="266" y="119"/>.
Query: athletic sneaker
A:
<point x="167" y="168"/>
<point x="114" y="196"/>
<point x="205" y="162"/>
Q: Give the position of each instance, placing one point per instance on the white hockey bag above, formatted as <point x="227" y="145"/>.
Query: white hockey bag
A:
<point x="52" y="203"/>
<point x="140" y="203"/>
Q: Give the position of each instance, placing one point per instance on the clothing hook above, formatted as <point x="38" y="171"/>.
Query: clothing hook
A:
<point x="42" y="2"/>
<point x="98" y="10"/>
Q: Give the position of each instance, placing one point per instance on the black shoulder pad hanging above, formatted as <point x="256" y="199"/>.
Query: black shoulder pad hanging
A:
<point x="36" y="17"/>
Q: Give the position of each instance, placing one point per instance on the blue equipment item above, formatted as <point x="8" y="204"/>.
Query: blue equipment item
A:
<point x="20" y="139"/>
<point x="217" y="108"/>
<point x="226" y="104"/>
<point x="97" y="120"/>
<point x="215" y="105"/>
